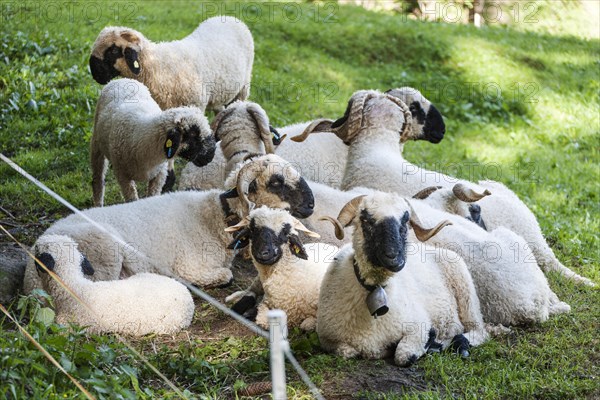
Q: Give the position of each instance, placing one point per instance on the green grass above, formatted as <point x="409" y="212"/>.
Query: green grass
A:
<point x="521" y="104"/>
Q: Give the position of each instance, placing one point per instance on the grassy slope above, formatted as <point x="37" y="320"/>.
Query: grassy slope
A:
<point x="540" y="137"/>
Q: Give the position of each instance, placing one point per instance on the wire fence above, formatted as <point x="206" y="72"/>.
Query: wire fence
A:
<point x="282" y="335"/>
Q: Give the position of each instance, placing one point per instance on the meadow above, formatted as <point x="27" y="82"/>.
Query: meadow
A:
<point x="521" y="106"/>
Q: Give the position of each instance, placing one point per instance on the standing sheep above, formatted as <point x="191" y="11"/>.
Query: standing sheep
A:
<point x="139" y="305"/>
<point x="385" y="292"/>
<point x="290" y="273"/>
<point x="377" y="125"/>
<point x="181" y="234"/>
<point x="138" y="139"/>
<point x="208" y="69"/>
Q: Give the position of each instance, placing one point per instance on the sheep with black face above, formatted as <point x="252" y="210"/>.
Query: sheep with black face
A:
<point x="376" y="126"/>
<point x="388" y="292"/>
<point x="138" y="139"/>
<point x="244" y="130"/>
<point x="142" y="304"/>
<point x="182" y="234"/>
<point x="290" y="272"/>
<point x="208" y="69"/>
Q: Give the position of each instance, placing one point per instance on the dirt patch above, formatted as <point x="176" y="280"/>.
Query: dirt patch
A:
<point x="374" y="377"/>
<point x="12" y="269"/>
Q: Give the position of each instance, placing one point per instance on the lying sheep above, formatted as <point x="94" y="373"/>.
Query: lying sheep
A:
<point x="511" y="287"/>
<point x="182" y="234"/>
<point x="428" y="297"/>
<point x="290" y="273"/>
<point x="377" y="125"/>
<point x="208" y="69"/>
<point x="142" y="304"/>
<point x="244" y="130"/>
<point x="138" y="139"/>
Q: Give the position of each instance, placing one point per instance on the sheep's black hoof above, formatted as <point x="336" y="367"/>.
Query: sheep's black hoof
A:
<point x="244" y="304"/>
<point x="411" y="360"/>
<point x="225" y="285"/>
<point x="86" y="267"/>
<point x="251" y="314"/>
<point x="170" y="182"/>
<point x="460" y="344"/>
<point x="47" y="260"/>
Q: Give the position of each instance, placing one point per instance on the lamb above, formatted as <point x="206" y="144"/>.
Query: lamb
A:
<point x="208" y="69"/>
<point x="377" y="125"/>
<point x="290" y="277"/>
<point x="139" y="305"/>
<point x="433" y="298"/>
<point x="192" y="243"/>
<point x="138" y="139"/>
<point x="244" y="130"/>
<point x="512" y="289"/>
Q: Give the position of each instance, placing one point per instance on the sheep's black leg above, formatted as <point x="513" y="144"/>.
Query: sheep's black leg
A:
<point x="245" y="304"/>
<point x="432" y="346"/>
<point x="170" y="182"/>
<point x="475" y="211"/>
<point x="461" y="345"/>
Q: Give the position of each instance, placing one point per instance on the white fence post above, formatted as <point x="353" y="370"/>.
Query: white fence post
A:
<point x="278" y="345"/>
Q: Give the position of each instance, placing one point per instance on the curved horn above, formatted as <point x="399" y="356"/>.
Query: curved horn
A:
<point x="243" y="223"/>
<point x="318" y="125"/>
<point x="216" y="122"/>
<point x="424" y="234"/>
<point x="300" y="227"/>
<point x="468" y="195"/>
<point x="348" y="212"/>
<point x="406" y="132"/>
<point x="339" y="229"/>
<point x="262" y="122"/>
<point x="425" y="193"/>
<point x="245" y="176"/>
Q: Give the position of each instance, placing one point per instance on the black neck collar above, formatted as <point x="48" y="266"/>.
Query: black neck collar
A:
<point x="361" y="280"/>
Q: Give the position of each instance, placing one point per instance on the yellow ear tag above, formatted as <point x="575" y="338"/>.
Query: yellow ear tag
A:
<point x="296" y="249"/>
<point x="136" y="64"/>
<point x="169" y="143"/>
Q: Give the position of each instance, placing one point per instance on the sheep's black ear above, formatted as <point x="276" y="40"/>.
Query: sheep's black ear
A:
<point x="131" y="58"/>
<point x="172" y="142"/>
<point x="241" y="240"/>
<point x="343" y="120"/>
<point x="86" y="267"/>
<point x="47" y="260"/>
<point x="276" y="136"/>
<point x="296" y="247"/>
<point x="230" y="194"/>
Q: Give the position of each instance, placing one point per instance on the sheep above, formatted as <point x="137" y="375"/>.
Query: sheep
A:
<point x="208" y="69"/>
<point x="191" y="242"/>
<point x="144" y="303"/>
<point x="511" y="287"/>
<point x="290" y="277"/>
<point x="367" y="305"/>
<point x="377" y="125"/>
<point x="244" y="130"/>
<point x="138" y="139"/>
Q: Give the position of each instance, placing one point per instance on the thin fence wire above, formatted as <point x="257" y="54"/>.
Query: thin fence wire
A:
<point x="46" y="354"/>
<point x="203" y="295"/>
<point x="87" y="306"/>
